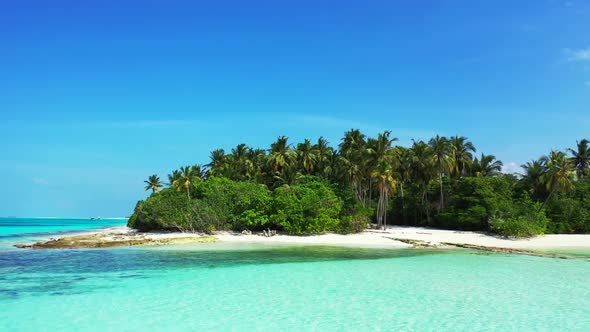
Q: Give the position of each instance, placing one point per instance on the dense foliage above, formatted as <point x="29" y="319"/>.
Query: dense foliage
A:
<point x="220" y="203"/>
<point x="311" y="188"/>
<point x="475" y="203"/>
<point x="165" y="210"/>
<point x="312" y="207"/>
<point x="570" y="212"/>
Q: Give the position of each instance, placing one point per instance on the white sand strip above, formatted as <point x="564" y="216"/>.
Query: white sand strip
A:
<point x="375" y="238"/>
<point x="550" y="241"/>
<point x="365" y="239"/>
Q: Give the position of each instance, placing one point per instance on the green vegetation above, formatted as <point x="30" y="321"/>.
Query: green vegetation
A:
<point x="220" y="203"/>
<point x="312" y="188"/>
<point x="311" y="207"/>
<point x="153" y="183"/>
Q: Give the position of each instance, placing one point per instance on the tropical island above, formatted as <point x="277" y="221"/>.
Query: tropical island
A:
<point x="310" y="188"/>
<point x="366" y="192"/>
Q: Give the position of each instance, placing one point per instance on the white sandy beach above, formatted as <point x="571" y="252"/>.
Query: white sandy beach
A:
<point x="375" y="238"/>
<point x="365" y="239"/>
<point x="432" y="236"/>
<point x="550" y="241"/>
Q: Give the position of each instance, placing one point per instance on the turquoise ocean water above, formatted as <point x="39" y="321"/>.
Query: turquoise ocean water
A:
<point x="215" y="287"/>
<point x="23" y="229"/>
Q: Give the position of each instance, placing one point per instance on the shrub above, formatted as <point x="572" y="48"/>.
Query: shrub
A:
<point x="311" y="207"/>
<point x="570" y="212"/>
<point x="475" y="201"/>
<point x="166" y="210"/>
<point x="355" y="223"/>
<point x="474" y="218"/>
<point x="520" y="226"/>
<point x="525" y="219"/>
<point x="235" y="205"/>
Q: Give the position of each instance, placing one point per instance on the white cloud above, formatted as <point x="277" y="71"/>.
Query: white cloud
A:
<point x="39" y="181"/>
<point x="511" y="168"/>
<point x="578" y="55"/>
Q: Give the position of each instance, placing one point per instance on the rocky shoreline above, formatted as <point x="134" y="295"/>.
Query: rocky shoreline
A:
<point x="424" y="244"/>
<point x="111" y="240"/>
<point x="393" y="237"/>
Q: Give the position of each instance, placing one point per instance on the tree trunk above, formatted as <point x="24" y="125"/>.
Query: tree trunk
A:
<point x="385" y="203"/>
<point x="381" y="210"/>
<point x="401" y="185"/>
<point x="440" y="206"/>
<point x="358" y="192"/>
<point x="548" y="198"/>
<point x="379" y="213"/>
<point x="425" y="205"/>
<point x="422" y="208"/>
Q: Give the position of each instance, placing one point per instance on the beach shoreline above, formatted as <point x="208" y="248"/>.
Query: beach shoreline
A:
<point x="395" y="237"/>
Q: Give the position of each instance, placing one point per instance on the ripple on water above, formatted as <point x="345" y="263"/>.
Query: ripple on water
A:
<point x="301" y="288"/>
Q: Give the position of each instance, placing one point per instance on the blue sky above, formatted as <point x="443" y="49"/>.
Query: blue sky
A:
<point x="97" y="95"/>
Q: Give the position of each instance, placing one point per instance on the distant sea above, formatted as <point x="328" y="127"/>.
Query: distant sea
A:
<point x="12" y="229"/>
<point x="215" y="287"/>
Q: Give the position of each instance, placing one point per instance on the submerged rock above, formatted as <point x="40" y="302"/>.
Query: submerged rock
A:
<point x="110" y="240"/>
<point x="414" y="243"/>
<point x="509" y="250"/>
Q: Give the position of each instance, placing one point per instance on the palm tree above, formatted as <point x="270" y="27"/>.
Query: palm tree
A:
<point x="241" y="163"/>
<point x="404" y="172"/>
<point x="486" y="166"/>
<point x="280" y="156"/>
<point x="199" y="172"/>
<point x="153" y="183"/>
<point x="461" y="155"/>
<point x="559" y="175"/>
<point x="187" y="180"/>
<point x="218" y="162"/>
<point x="324" y="157"/>
<point x="307" y="156"/>
<point x="352" y="142"/>
<point x="353" y="162"/>
<point x="287" y="178"/>
<point x="581" y="157"/>
<point x="384" y="177"/>
<point x="422" y="171"/>
<point x="442" y="161"/>
<point x="257" y="159"/>
<point x="534" y="173"/>
<point x="172" y="177"/>
<point x="377" y="149"/>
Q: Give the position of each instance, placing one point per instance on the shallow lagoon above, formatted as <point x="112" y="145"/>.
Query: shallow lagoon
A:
<point x="256" y="287"/>
<point x="295" y="288"/>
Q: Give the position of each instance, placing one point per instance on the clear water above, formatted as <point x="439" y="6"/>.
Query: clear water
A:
<point x="212" y="287"/>
<point x="15" y="227"/>
<point x="30" y="229"/>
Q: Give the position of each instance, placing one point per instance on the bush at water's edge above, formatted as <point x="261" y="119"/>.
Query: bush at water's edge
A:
<point x="221" y="204"/>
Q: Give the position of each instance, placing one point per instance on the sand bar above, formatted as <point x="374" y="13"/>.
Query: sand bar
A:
<point x="393" y="237"/>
